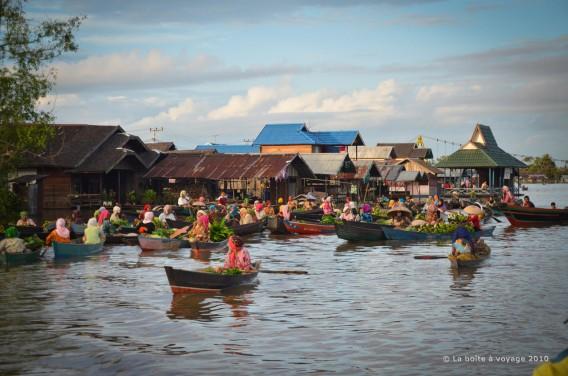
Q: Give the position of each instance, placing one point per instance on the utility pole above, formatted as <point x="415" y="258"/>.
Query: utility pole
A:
<point x="155" y="131"/>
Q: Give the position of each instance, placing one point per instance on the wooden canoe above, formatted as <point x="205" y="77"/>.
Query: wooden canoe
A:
<point x="393" y="233"/>
<point x="158" y="244"/>
<point x="519" y="216"/>
<point x="313" y="215"/>
<point x="13" y="259"/>
<point x="359" y="231"/>
<point x="188" y="281"/>
<point x="276" y="225"/>
<point x="209" y="246"/>
<point x="75" y="250"/>
<point x="251" y="228"/>
<point x="308" y="228"/>
<point x="457" y="262"/>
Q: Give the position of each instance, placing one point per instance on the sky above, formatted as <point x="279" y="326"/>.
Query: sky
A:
<point x="217" y="71"/>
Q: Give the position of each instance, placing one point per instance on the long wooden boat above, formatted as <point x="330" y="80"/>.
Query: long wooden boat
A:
<point x="359" y="231"/>
<point x="209" y="246"/>
<point x="276" y="225"/>
<point x="13" y="259"/>
<point x="308" y="228"/>
<point x="393" y="233"/>
<point x="469" y="262"/>
<point x="75" y="250"/>
<point x="251" y="228"/>
<point x="313" y="215"/>
<point x="519" y="216"/>
<point x="187" y="281"/>
<point x="158" y="244"/>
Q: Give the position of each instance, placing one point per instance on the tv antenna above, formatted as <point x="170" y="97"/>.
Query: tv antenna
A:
<point x="155" y="131"/>
<point x="247" y="140"/>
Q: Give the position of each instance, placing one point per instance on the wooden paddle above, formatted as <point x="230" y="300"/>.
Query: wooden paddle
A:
<point x="179" y="231"/>
<point x="283" y="271"/>
<point x="496" y="220"/>
<point x="43" y="251"/>
<point x="430" y="257"/>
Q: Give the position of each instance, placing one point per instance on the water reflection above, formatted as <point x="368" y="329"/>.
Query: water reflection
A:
<point x="200" y="255"/>
<point x="462" y="278"/>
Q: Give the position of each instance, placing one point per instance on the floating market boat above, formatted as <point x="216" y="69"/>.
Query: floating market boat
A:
<point x="251" y="228"/>
<point x="75" y="250"/>
<point x="187" y="281"/>
<point x="276" y="225"/>
<point x="519" y="216"/>
<point x="468" y="260"/>
<point x="209" y="246"/>
<point x="393" y="233"/>
<point x="308" y="228"/>
<point x="313" y="215"/>
<point x="158" y="244"/>
<point x="359" y="231"/>
<point x="27" y="257"/>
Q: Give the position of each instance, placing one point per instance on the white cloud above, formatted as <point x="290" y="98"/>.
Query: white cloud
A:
<point x="173" y="115"/>
<point x="436" y="91"/>
<point x="380" y="100"/>
<point x="53" y="101"/>
<point x="117" y="98"/>
<point x="242" y="105"/>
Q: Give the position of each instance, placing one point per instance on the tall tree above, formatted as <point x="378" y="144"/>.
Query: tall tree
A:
<point x="26" y="48"/>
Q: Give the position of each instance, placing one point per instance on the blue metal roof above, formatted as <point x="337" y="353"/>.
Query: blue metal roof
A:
<point x="298" y="134"/>
<point x="284" y="134"/>
<point x="230" y="149"/>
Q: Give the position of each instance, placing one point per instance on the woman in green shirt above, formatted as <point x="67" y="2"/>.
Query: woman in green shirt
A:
<point x="93" y="233"/>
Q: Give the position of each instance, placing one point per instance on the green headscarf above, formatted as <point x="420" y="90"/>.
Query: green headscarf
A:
<point x="11" y="232"/>
<point x="23" y="214"/>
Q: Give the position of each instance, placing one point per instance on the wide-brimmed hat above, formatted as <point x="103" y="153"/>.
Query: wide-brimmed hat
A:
<point x="399" y="208"/>
<point x="473" y="209"/>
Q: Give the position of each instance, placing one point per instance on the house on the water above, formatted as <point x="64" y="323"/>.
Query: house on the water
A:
<point x="83" y="165"/>
<point x="481" y="160"/>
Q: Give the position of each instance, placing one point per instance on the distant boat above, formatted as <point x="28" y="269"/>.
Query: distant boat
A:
<point x="308" y="228"/>
<point x="359" y="231"/>
<point x="75" y="250"/>
<point x="519" y="216"/>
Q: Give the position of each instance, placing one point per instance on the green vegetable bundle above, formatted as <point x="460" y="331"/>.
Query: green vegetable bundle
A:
<point x="327" y="219"/>
<point x="219" y="231"/>
<point x="33" y="242"/>
<point x="440" y="228"/>
<point x="163" y="232"/>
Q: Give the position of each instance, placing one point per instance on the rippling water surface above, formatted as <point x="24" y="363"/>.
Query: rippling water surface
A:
<point x="362" y="309"/>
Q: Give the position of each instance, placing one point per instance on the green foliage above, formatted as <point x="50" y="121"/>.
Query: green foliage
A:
<point x="219" y="231"/>
<point x="440" y="228"/>
<point x="544" y="165"/>
<point x="162" y="233"/>
<point x="327" y="219"/>
<point x="121" y="223"/>
<point x="33" y="242"/>
<point x="380" y="212"/>
<point x="157" y="223"/>
<point x="149" y="196"/>
<point x="10" y="205"/>
<point x="229" y="271"/>
<point x="132" y="197"/>
<point x="457" y="218"/>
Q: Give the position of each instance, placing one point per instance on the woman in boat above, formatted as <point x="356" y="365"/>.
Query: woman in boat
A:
<point x="168" y="213"/>
<point x="104" y="215"/>
<point x="259" y="210"/>
<point x="366" y="213"/>
<point x="147" y="225"/>
<point x="93" y="233"/>
<point x="200" y="202"/>
<point x="527" y="203"/>
<point x="60" y="234"/>
<point x="147" y="208"/>
<point x="222" y="200"/>
<point x="507" y="197"/>
<point x="432" y="215"/>
<point x="12" y="243"/>
<point x="327" y="206"/>
<point x="184" y="200"/>
<point x="200" y="229"/>
<point x="115" y="217"/>
<point x="347" y="214"/>
<point x="307" y="204"/>
<point x="462" y="241"/>
<point x="245" y="217"/>
<point x="400" y="220"/>
<point x="284" y="212"/>
<point x="25" y="220"/>
<point x="292" y="205"/>
<point x="238" y="257"/>
<point x="233" y="215"/>
<point x="268" y="209"/>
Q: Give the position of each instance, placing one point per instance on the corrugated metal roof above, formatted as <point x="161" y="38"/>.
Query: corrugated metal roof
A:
<point x="408" y="176"/>
<point x="227" y="166"/>
<point x="370" y="152"/>
<point x="337" y="138"/>
<point x="366" y="169"/>
<point x="327" y="163"/>
<point x="230" y="149"/>
<point x="390" y="172"/>
<point x="161" y="146"/>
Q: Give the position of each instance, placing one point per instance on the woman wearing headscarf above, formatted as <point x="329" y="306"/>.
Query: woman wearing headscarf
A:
<point x="200" y="229"/>
<point x="327" y="206"/>
<point x="238" y="257"/>
<point x="366" y="213"/>
<point x="184" y="200"/>
<point x="233" y="215"/>
<point x="25" y="220"/>
<point x="268" y="209"/>
<point x="168" y="213"/>
<point x="259" y="210"/>
<point x="147" y="208"/>
<point x="115" y="217"/>
<point x="93" y="233"/>
<point x="104" y="215"/>
<point x="246" y="218"/>
<point x="147" y="226"/>
<point x="507" y="197"/>
<point x="347" y="215"/>
<point x="60" y="234"/>
<point x="12" y="244"/>
<point x="284" y="212"/>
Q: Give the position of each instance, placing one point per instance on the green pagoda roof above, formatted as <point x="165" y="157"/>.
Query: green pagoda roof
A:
<point x="481" y="151"/>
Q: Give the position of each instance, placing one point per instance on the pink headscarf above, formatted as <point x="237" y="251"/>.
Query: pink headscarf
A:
<point x="204" y="220"/>
<point x="284" y="212"/>
<point x="258" y="207"/>
<point x="148" y="217"/>
<point x="61" y="229"/>
<point x="103" y="214"/>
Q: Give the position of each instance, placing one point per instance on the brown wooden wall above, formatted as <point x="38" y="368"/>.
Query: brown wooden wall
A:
<point x="286" y="149"/>
<point x="55" y="192"/>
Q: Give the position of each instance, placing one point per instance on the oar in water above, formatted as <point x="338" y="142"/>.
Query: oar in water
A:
<point x="496" y="220"/>
<point x="43" y="251"/>
<point x="284" y="271"/>
<point x="430" y="257"/>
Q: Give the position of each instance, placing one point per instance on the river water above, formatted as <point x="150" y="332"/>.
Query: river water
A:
<point x="362" y="309"/>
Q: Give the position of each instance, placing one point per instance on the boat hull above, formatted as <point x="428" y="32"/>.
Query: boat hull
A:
<point x="209" y="246"/>
<point x="14" y="259"/>
<point x="276" y="225"/>
<point x="359" y="231"/>
<point x="392" y="233"/>
<point x="158" y="244"/>
<point x="519" y="216"/>
<point x="458" y="263"/>
<point x="75" y="250"/>
<point x="188" y="281"/>
<point x="313" y="215"/>
<point x="251" y="228"/>
<point x="308" y="228"/>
